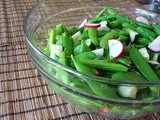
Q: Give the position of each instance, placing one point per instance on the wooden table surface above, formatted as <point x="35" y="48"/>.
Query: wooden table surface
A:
<point x="24" y="95"/>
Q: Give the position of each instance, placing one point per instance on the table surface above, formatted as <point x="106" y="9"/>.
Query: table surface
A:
<point x="24" y="95"/>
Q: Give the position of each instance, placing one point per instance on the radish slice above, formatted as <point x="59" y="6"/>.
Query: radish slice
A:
<point x="92" y="25"/>
<point x="132" y="34"/>
<point x="103" y="110"/>
<point x="144" y="53"/>
<point x="99" y="52"/>
<point x="155" y="45"/>
<point x="115" y="48"/>
<point x="83" y="23"/>
<point x="142" y="19"/>
<point x="153" y="62"/>
<point x="103" y="26"/>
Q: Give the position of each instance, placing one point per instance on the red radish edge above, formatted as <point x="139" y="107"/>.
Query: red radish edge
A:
<point x="92" y="25"/>
<point x="155" y="45"/>
<point x="83" y="23"/>
<point x="119" y="53"/>
<point x="99" y="73"/>
<point x="103" y="110"/>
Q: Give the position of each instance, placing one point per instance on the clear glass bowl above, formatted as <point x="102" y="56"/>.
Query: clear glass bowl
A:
<point x="45" y="15"/>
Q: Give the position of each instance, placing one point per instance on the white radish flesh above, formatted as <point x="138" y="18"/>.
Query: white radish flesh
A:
<point x="155" y="45"/>
<point x="99" y="52"/>
<point x="144" y="53"/>
<point x="83" y="23"/>
<point x="115" y="48"/>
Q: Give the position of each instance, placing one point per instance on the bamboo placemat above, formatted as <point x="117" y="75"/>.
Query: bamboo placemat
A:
<point x="24" y="95"/>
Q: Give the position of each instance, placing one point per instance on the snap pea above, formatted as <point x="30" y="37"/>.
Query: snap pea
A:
<point x="61" y="74"/>
<point x="98" y="88"/>
<point x="129" y="25"/>
<point x="99" y="19"/>
<point x="123" y="32"/>
<point x="59" y="29"/>
<point x="115" y="24"/>
<point x="123" y="38"/>
<point x="81" y="48"/>
<point x="92" y="33"/>
<point x="67" y="44"/>
<point x="128" y="76"/>
<point x="108" y="36"/>
<point x="143" y="41"/>
<point x="143" y="25"/>
<point x="86" y="55"/>
<point x="142" y="65"/>
<point x="111" y="11"/>
<point x="105" y="65"/>
<point x="156" y="27"/>
<point x="146" y="33"/>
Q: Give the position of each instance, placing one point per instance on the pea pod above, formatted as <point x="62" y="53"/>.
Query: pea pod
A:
<point x="156" y="27"/>
<point x="105" y="65"/>
<point x="143" y="41"/>
<point x="129" y="25"/>
<point x="81" y="48"/>
<point x="61" y="74"/>
<point x="146" y="33"/>
<point x="86" y="55"/>
<point x="67" y="44"/>
<point x="108" y="36"/>
<point x="142" y="65"/>
<point x="98" y="88"/>
<point x="59" y="29"/>
<point x="111" y="11"/>
<point x="92" y="32"/>
<point x="128" y="76"/>
<point x="143" y="25"/>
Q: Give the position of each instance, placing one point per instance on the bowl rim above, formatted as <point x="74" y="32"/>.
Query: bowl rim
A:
<point x="75" y="72"/>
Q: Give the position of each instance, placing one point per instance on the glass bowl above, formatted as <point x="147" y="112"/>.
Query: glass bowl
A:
<point x="46" y="15"/>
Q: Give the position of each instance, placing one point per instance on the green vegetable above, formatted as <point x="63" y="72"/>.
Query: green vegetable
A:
<point x="105" y="65"/>
<point x="92" y="32"/>
<point x="142" y="65"/>
<point x="108" y="36"/>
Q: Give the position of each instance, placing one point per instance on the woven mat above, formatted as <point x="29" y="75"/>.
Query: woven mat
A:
<point x="24" y="95"/>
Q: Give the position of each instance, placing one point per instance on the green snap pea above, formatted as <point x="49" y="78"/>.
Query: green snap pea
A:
<point x="123" y="32"/>
<point x="143" y="41"/>
<point x="116" y="24"/>
<point x="123" y="38"/>
<point x="145" y="26"/>
<point x="86" y="55"/>
<point x="67" y="44"/>
<point x="105" y="65"/>
<point x="111" y="11"/>
<point x="129" y="25"/>
<point x="142" y="65"/>
<point x="59" y="29"/>
<point x="81" y="48"/>
<point x="99" y="19"/>
<point x="128" y="76"/>
<point x="108" y="36"/>
<point x="92" y="32"/>
<point x="146" y="33"/>
<point x="156" y="27"/>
